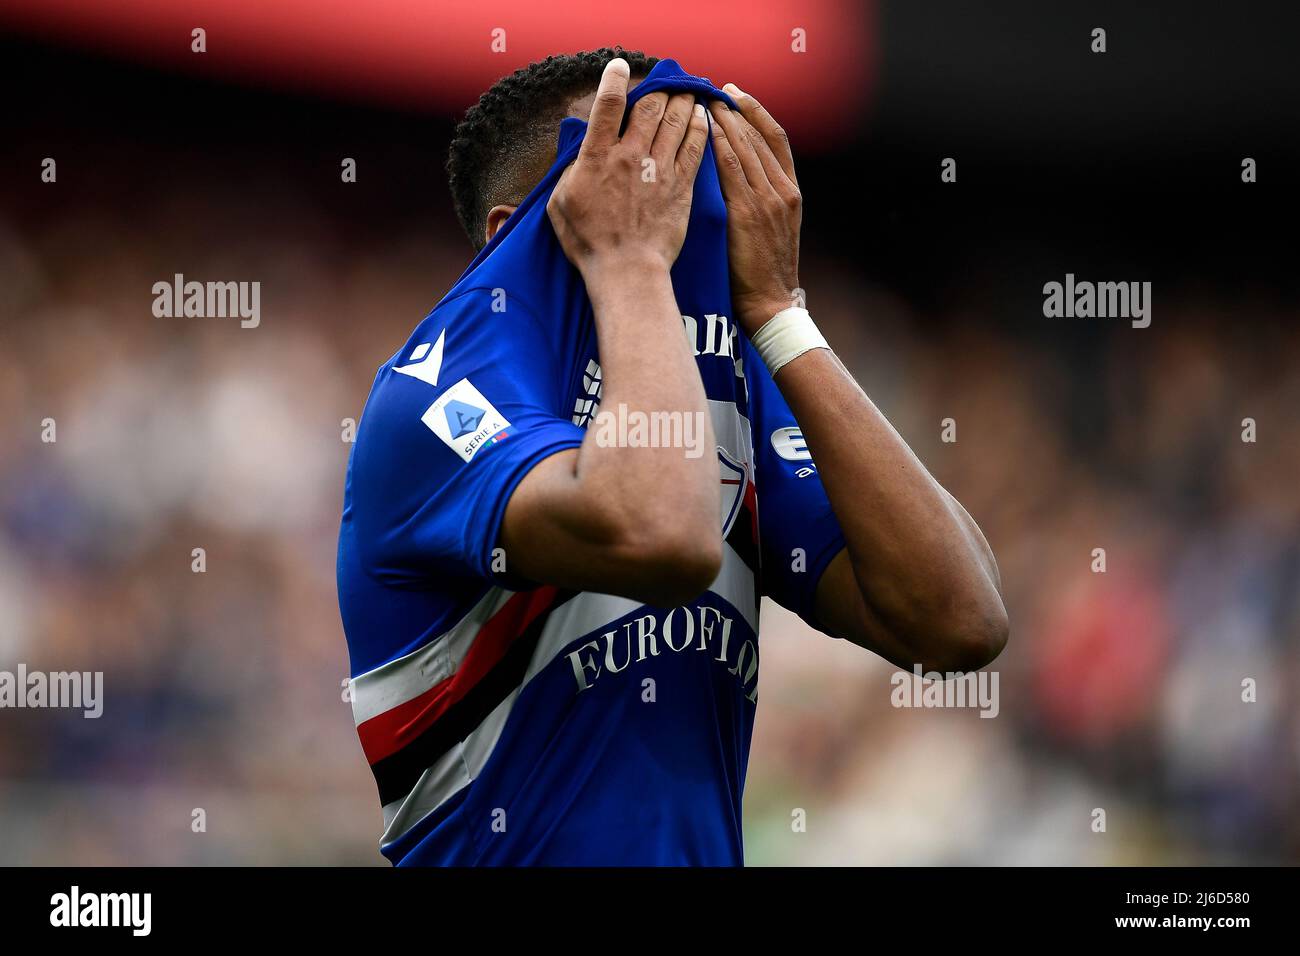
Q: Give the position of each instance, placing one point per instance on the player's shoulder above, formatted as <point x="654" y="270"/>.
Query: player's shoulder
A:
<point x="478" y="346"/>
<point x="464" y="330"/>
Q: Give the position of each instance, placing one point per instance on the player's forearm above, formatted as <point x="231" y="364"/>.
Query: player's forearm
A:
<point x="926" y="583"/>
<point x="924" y="568"/>
<point x="622" y="514"/>
<point x="649" y="376"/>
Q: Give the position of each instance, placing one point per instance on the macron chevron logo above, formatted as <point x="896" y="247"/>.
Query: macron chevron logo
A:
<point x="425" y="362"/>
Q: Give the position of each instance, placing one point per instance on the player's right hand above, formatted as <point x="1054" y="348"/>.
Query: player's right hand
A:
<point x="626" y="200"/>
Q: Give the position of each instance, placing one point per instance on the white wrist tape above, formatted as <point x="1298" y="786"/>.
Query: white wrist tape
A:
<point x="786" y="336"/>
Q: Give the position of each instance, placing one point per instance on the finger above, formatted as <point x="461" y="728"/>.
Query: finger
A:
<point x="692" y="148"/>
<point x="607" y="109"/>
<point x="770" y="130"/>
<point x="672" y="128"/>
<point x="643" y="122"/>
<point x="730" y="172"/>
<point x="771" y="168"/>
<point x="739" y="141"/>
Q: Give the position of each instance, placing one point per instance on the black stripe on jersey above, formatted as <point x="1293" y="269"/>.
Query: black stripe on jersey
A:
<point x="742" y="538"/>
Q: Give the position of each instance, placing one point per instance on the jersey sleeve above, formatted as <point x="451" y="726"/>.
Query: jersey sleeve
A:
<point x="798" y="531"/>
<point x="453" y="425"/>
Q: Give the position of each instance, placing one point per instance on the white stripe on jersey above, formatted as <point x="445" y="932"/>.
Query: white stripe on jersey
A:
<point x="404" y="678"/>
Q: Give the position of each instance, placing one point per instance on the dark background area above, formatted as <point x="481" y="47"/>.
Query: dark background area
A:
<point x="1131" y="157"/>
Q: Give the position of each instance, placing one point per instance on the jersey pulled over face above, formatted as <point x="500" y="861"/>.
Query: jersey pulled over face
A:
<point x="508" y="723"/>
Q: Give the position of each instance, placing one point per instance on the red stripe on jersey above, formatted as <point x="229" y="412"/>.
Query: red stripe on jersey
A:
<point x="386" y="733"/>
<point x="751" y="502"/>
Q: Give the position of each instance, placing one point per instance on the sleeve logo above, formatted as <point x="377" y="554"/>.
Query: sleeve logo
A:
<point x="465" y="420"/>
<point x="426" y="361"/>
<point x="789" y="444"/>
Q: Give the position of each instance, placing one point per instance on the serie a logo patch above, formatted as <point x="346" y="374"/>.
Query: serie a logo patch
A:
<point x="465" y="420"/>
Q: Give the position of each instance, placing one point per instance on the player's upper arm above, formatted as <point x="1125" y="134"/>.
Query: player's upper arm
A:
<point x="564" y="527"/>
<point x="843" y="613"/>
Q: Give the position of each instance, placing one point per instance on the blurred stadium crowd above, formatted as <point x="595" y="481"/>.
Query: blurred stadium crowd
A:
<point x="1120" y="691"/>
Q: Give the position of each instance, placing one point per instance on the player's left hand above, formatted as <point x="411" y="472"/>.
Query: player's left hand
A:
<point x="764" y="209"/>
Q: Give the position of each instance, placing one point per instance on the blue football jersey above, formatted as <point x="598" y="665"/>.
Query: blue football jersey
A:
<point x="510" y="723"/>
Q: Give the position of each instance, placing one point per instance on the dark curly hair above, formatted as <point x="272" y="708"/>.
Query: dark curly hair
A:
<point x="506" y="134"/>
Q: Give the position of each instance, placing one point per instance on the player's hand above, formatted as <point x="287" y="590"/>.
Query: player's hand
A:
<point x="764" y="209"/>
<point x="626" y="201"/>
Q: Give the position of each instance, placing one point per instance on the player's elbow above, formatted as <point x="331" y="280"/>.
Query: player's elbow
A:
<point x="664" y="550"/>
<point x="671" y="567"/>
<point x="971" y="639"/>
